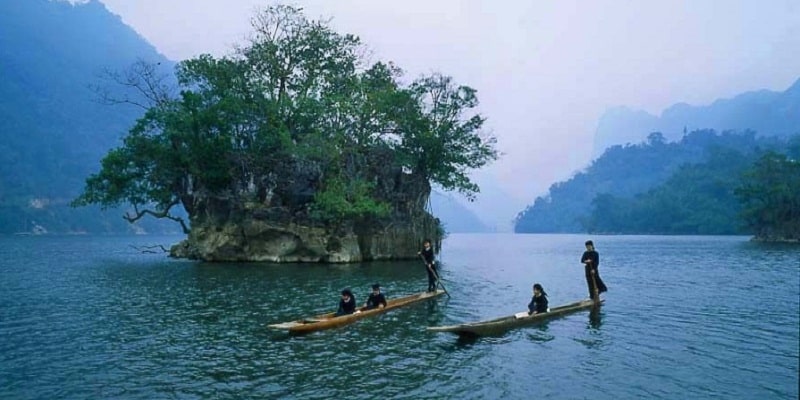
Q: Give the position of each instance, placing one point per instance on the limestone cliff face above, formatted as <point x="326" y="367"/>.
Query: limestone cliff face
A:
<point x="230" y="230"/>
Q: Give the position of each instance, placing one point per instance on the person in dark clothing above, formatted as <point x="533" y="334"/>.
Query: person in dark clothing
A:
<point x="376" y="299"/>
<point x="347" y="305"/>
<point x="538" y="302"/>
<point x="591" y="261"/>
<point x="430" y="264"/>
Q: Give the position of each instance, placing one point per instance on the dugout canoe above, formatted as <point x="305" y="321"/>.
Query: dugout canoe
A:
<point x="500" y="325"/>
<point x="330" y="320"/>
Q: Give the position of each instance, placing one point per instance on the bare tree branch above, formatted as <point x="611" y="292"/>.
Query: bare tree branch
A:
<point x="146" y="87"/>
<point x="157" y="214"/>
<point x="149" y="249"/>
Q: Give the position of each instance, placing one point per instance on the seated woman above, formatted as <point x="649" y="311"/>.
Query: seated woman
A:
<point x="376" y="298"/>
<point x="347" y="305"/>
<point x="538" y="303"/>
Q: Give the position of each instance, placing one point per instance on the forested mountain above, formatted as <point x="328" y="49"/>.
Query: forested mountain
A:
<point x="655" y="187"/>
<point x="680" y="179"/>
<point x="764" y="111"/>
<point x="53" y="128"/>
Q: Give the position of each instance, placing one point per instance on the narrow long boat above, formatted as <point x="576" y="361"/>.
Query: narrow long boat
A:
<point x="330" y="320"/>
<point x="501" y="325"/>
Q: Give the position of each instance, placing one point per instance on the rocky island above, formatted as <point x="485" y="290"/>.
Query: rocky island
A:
<point x="295" y="148"/>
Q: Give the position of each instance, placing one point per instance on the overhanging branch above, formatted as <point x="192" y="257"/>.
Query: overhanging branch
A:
<point x="157" y="214"/>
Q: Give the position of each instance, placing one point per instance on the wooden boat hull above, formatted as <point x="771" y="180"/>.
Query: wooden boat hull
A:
<point x="501" y="325"/>
<point x="330" y="320"/>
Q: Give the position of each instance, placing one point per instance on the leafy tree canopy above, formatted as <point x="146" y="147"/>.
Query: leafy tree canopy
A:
<point x="299" y="119"/>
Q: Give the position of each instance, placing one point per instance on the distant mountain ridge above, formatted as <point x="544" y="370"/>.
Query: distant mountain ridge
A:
<point x="766" y="112"/>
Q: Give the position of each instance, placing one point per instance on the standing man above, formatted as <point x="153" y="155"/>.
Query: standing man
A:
<point x="430" y="264"/>
<point x="591" y="261"/>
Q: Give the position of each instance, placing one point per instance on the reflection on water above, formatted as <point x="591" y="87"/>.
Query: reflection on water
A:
<point x="595" y="317"/>
<point x="466" y="341"/>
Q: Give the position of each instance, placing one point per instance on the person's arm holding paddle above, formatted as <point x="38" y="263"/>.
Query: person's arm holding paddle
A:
<point x="430" y="264"/>
<point x="591" y="259"/>
<point x="588" y="261"/>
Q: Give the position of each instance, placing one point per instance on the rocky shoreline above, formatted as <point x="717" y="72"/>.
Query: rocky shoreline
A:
<point x="265" y="241"/>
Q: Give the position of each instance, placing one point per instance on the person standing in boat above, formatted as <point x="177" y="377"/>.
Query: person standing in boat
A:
<point x="538" y="302"/>
<point x="591" y="261"/>
<point x="430" y="264"/>
<point x="347" y="305"/>
<point x="376" y="299"/>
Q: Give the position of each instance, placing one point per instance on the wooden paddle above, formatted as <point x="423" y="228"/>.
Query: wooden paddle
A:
<point x="435" y="275"/>
<point x="596" y="289"/>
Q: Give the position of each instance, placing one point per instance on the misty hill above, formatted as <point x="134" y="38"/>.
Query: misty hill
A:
<point x="766" y="112"/>
<point x="732" y="191"/>
<point x="625" y="172"/>
<point x="455" y="216"/>
<point x="53" y="131"/>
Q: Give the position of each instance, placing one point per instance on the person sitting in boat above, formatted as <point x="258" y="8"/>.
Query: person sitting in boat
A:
<point x="376" y="299"/>
<point x="347" y="305"/>
<point x="538" y="302"/>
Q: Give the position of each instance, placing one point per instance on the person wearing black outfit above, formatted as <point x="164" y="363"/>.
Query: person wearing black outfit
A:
<point x="430" y="264"/>
<point x="538" y="302"/>
<point x="347" y="305"/>
<point x="376" y="299"/>
<point x="591" y="261"/>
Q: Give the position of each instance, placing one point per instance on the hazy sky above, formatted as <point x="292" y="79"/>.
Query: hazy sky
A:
<point x="545" y="70"/>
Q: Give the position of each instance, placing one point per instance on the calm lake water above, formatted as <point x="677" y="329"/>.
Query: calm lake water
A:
<point x="685" y="317"/>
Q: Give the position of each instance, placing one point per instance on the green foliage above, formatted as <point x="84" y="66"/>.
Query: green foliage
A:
<point x="696" y="199"/>
<point x="345" y="200"/>
<point x="770" y="195"/>
<point x="684" y="187"/>
<point x="622" y="170"/>
<point x="442" y="143"/>
<point x="295" y="119"/>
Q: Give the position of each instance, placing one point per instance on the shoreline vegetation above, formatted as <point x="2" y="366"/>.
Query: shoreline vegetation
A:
<point x="733" y="183"/>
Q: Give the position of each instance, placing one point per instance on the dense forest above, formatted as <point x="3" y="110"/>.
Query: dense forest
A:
<point x="659" y="187"/>
<point x="770" y="196"/>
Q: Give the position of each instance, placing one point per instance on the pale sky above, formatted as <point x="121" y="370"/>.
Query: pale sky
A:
<point x="545" y="71"/>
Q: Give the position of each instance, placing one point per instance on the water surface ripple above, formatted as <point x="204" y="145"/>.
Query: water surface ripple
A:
<point x="685" y="317"/>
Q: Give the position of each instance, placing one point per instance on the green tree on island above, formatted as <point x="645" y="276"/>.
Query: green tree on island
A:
<point x="296" y="127"/>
